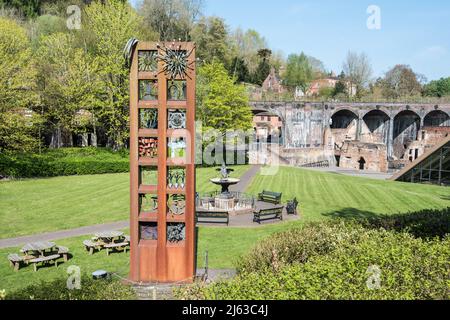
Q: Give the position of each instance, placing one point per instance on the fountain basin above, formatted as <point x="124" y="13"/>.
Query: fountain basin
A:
<point x="225" y="184"/>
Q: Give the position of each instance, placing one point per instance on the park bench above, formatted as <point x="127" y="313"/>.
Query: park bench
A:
<point x="91" y="246"/>
<point x="64" y="252"/>
<point x="291" y="207"/>
<point x="270" y="197"/>
<point x="268" y="214"/>
<point x="15" y="260"/>
<point x="116" y="246"/>
<point x="44" y="260"/>
<point x="213" y="217"/>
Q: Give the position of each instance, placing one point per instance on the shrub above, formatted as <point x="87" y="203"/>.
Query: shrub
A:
<point x="423" y="224"/>
<point x="90" y="290"/>
<point x="410" y="269"/>
<point x="64" y="162"/>
<point x="298" y="245"/>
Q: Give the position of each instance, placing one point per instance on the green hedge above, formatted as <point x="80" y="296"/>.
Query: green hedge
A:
<point x="64" y="162"/>
<point x="331" y="260"/>
<point x="411" y="269"/>
<point x="423" y="224"/>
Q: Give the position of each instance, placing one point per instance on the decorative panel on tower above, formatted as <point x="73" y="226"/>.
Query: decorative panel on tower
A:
<point x="162" y="122"/>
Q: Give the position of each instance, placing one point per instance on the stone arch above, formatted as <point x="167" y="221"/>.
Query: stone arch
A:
<point x="375" y="127"/>
<point x="341" y="119"/>
<point x="406" y="130"/>
<point x="437" y="118"/>
<point x="374" y="119"/>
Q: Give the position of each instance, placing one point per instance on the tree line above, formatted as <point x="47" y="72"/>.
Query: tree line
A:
<point x="57" y="84"/>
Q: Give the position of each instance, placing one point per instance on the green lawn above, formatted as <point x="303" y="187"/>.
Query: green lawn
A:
<point x="43" y="205"/>
<point x="327" y="194"/>
<point x="322" y="196"/>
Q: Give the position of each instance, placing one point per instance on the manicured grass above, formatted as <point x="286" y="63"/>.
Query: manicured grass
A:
<point x="322" y="196"/>
<point x="43" y="205"/>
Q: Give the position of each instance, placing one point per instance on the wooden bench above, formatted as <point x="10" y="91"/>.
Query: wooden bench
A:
<point x="270" y="197"/>
<point x="91" y="246"/>
<point x="15" y="260"/>
<point x="268" y="214"/>
<point x="116" y="246"/>
<point x="44" y="260"/>
<point x="64" y="252"/>
<point x="213" y="217"/>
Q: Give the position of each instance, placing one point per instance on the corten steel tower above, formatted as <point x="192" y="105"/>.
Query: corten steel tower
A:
<point x="162" y="134"/>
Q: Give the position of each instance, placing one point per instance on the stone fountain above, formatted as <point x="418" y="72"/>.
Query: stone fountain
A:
<point x="233" y="202"/>
<point x="225" y="200"/>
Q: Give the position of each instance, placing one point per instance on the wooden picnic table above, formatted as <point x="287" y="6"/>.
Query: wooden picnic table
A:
<point x="109" y="236"/>
<point x="42" y="247"/>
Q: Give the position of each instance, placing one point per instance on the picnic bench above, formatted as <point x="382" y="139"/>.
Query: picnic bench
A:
<point x="15" y="260"/>
<point x="91" y="246"/>
<point x="38" y="253"/>
<point x="213" y="217"/>
<point x="111" y="240"/>
<point x="270" y="197"/>
<point x="268" y="214"/>
<point x="64" y="252"/>
<point x="45" y="260"/>
<point x="116" y="246"/>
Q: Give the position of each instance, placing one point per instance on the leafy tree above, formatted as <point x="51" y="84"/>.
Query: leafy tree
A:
<point x="400" y="81"/>
<point x="326" y="92"/>
<point x="358" y="69"/>
<point x="67" y="82"/>
<point x="210" y="34"/>
<point x="17" y="80"/>
<point x="171" y="19"/>
<point x="239" y="70"/>
<point x="299" y="72"/>
<point x="317" y="66"/>
<point x="111" y="25"/>
<point x="246" y="45"/>
<point x="28" y="8"/>
<point x="438" y="88"/>
<point x="340" y="88"/>
<point x="221" y="104"/>
<point x="263" y="69"/>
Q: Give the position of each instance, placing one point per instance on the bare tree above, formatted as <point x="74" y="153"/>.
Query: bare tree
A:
<point x="358" y="69"/>
<point x="172" y="19"/>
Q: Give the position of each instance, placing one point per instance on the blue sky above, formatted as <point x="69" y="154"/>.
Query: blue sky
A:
<point x="412" y="32"/>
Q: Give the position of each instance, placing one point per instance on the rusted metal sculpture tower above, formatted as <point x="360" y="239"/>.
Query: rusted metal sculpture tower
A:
<point x="162" y="191"/>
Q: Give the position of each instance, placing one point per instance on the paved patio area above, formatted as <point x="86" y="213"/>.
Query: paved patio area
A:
<point x="246" y="220"/>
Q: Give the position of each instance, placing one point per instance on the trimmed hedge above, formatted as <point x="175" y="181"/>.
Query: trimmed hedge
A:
<point x="423" y="224"/>
<point x="411" y="269"/>
<point x="331" y="260"/>
<point x="90" y="290"/>
<point x="64" y="162"/>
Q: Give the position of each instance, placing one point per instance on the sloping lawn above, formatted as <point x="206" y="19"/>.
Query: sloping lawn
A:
<point x="44" y="205"/>
<point x="322" y="196"/>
